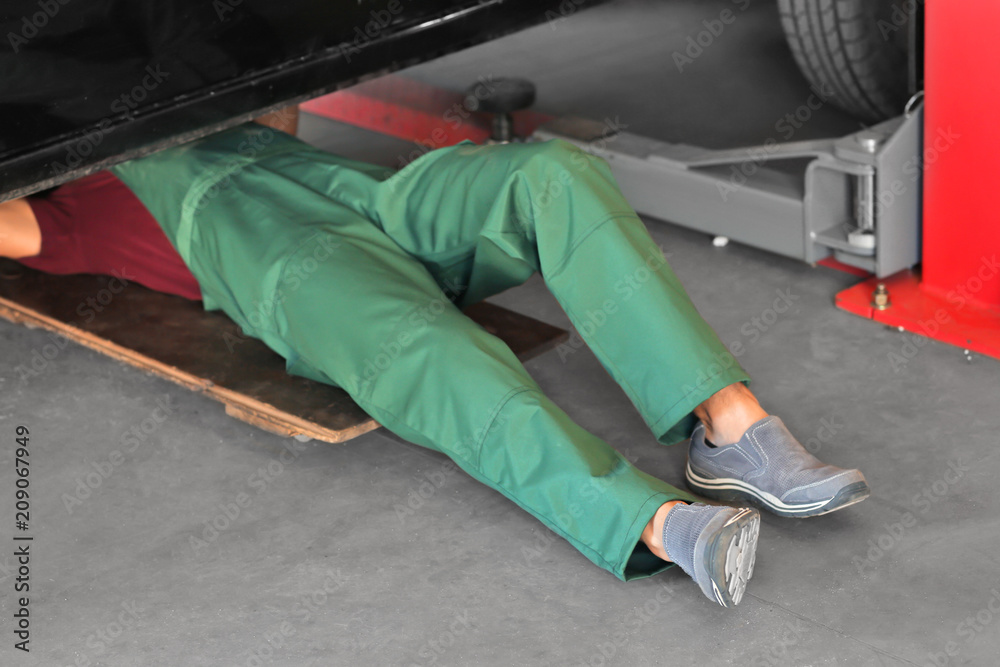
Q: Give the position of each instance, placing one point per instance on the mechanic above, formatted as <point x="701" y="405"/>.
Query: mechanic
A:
<point x="356" y="274"/>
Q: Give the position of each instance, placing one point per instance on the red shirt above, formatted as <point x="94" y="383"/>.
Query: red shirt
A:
<point x="96" y="225"/>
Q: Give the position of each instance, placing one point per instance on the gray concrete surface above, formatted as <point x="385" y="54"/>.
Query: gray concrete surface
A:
<point x="204" y="544"/>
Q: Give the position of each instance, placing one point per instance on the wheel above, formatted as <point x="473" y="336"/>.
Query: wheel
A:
<point x="855" y="52"/>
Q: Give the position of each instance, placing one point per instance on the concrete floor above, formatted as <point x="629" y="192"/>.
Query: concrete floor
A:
<point x="317" y="567"/>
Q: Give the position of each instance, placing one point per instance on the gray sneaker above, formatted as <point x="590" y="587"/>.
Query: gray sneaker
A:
<point x="769" y="468"/>
<point x="716" y="546"/>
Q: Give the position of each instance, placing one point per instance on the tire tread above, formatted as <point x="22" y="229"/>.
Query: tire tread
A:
<point x="839" y="47"/>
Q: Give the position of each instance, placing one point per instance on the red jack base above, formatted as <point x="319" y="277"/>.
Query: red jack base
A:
<point x="953" y="318"/>
<point x="414" y="111"/>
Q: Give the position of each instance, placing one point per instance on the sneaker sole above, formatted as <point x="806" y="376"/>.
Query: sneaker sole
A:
<point x="736" y="490"/>
<point x="731" y="555"/>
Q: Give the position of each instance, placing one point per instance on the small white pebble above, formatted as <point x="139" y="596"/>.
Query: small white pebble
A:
<point x="720" y="241"/>
<point x="901" y="328"/>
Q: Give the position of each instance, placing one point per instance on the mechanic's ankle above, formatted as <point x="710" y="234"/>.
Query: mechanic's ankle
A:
<point x="728" y="413"/>
<point x="652" y="534"/>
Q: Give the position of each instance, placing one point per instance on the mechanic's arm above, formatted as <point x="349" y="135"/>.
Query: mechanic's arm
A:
<point x="20" y="235"/>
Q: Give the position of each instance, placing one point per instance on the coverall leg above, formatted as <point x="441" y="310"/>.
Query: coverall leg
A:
<point x="356" y="276"/>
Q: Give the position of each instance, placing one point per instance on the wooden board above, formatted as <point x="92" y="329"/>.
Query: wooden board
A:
<point x="206" y="352"/>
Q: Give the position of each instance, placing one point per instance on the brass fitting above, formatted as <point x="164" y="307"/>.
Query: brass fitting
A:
<point x="880" y="297"/>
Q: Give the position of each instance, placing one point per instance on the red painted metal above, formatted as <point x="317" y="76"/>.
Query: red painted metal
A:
<point x="831" y="263"/>
<point x="410" y="110"/>
<point x="959" y="289"/>
<point x="951" y="317"/>
<point x="961" y="148"/>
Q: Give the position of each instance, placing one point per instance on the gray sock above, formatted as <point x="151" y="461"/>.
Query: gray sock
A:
<point x="681" y="530"/>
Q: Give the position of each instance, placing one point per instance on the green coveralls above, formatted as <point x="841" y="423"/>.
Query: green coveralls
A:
<point x="355" y="275"/>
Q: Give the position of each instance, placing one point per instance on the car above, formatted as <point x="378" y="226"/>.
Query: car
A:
<point x="86" y="85"/>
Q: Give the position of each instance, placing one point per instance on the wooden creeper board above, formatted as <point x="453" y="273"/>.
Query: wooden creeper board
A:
<point x="176" y="339"/>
